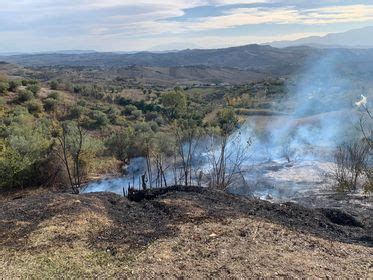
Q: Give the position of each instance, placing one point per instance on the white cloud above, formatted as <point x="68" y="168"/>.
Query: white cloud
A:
<point x="99" y="23"/>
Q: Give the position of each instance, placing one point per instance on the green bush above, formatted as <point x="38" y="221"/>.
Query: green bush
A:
<point x="26" y="143"/>
<point x="25" y="95"/>
<point x="4" y="86"/>
<point x="128" y="109"/>
<point x="13" y="85"/>
<point x="55" y="95"/>
<point x="76" y="112"/>
<point x="53" y="85"/>
<point x="34" y="88"/>
<point x="137" y="114"/>
<point x="34" y="106"/>
<point x="50" y="104"/>
<point x="100" y="119"/>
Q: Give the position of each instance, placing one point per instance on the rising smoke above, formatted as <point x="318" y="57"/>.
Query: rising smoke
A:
<point x="320" y="118"/>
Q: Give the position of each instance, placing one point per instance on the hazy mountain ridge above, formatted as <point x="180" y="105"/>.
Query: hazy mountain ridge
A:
<point x="355" y="38"/>
<point x="250" y="58"/>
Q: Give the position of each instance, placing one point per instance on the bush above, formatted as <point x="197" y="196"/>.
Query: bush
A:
<point x="26" y="144"/>
<point x="350" y="165"/>
<point x="120" y="143"/>
<point x="34" y="88"/>
<point x="13" y="85"/>
<point x="137" y="114"/>
<point x="4" y="86"/>
<point x="50" y="104"/>
<point x="53" y="85"/>
<point x="100" y="119"/>
<point x="25" y="95"/>
<point x="34" y="106"/>
<point x="55" y="95"/>
<point x="128" y="109"/>
<point x="76" y="112"/>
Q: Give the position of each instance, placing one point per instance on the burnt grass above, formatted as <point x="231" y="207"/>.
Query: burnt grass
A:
<point x="331" y="223"/>
<point x="135" y="223"/>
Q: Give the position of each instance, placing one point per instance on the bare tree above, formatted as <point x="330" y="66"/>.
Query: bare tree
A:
<point x="227" y="159"/>
<point x="70" y="138"/>
<point x="350" y="164"/>
<point x="287" y="151"/>
<point x="187" y="136"/>
<point x="366" y="122"/>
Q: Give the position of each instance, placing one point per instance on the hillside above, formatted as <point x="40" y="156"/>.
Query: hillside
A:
<point x="178" y="234"/>
<point x="244" y="57"/>
<point x="234" y="65"/>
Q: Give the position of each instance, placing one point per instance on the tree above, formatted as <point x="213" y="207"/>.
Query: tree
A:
<point x="230" y="153"/>
<point x="174" y="103"/>
<point x="187" y="135"/>
<point x="54" y="85"/>
<point x="366" y="122"/>
<point x="350" y="163"/>
<point x="70" y="138"/>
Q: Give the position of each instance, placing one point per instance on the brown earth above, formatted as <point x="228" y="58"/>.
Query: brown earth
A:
<point x="191" y="233"/>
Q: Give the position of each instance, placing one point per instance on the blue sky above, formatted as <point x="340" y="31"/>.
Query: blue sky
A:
<point x="127" y="25"/>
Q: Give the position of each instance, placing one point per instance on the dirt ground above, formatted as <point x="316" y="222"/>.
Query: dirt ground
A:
<point x="201" y="233"/>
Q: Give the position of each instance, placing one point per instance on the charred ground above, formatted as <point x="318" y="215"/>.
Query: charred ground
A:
<point x="179" y="232"/>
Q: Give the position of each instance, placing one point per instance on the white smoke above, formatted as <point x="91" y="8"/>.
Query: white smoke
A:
<point x="297" y="144"/>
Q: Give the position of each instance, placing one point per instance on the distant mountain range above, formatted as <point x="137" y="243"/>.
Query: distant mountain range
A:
<point x="255" y="60"/>
<point x="356" y="38"/>
<point x="253" y="57"/>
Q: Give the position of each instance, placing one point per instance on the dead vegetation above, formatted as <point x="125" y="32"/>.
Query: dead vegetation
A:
<point x="182" y="232"/>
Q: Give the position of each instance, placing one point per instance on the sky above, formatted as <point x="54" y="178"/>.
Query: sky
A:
<point x="135" y="25"/>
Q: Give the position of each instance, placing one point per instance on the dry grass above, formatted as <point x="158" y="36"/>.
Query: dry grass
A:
<point x="194" y="235"/>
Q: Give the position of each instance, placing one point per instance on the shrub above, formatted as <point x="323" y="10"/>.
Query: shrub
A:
<point x="54" y="95"/>
<point x="4" y="86"/>
<point x="119" y="144"/>
<point x="34" y="88"/>
<point x="25" y="95"/>
<point x="128" y="109"/>
<point x="13" y="85"/>
<point x="34" y="106"/>
<point x="137" y="114"/>
<point x="53" y="85"/>
<point x="26" y="144"/>
<point x="350" y="165"/>
<point x="50" y="104"/>
<point x="100" y="119"/>
<point x="76" y="112"/>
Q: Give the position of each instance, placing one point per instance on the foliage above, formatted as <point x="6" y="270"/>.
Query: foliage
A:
<point x="4" y="86"/>
<point x="53" y="85"/>
<point x="26" y="143"/>
<point x="25" y="95"/>
<point x="174" y="103"/>
<point x="14" y="84"/>
<point x="227" y="121"/>
<point x="34" y="106"/>
<point x="99" y="118"/>
<point x="50" y="104"/>
<point x="34" y="88"/>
